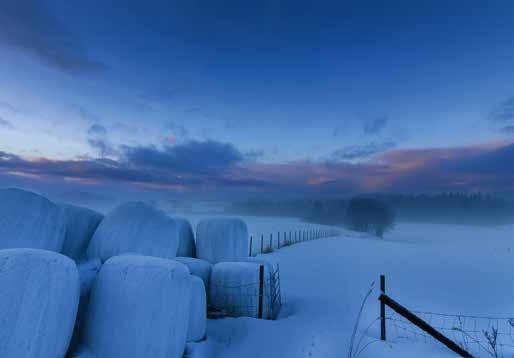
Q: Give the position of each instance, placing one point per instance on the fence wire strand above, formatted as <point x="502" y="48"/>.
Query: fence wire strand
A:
<point x="479" y="335"/>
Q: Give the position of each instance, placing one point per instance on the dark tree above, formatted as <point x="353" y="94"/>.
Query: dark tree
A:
<point x="369" y="215"/>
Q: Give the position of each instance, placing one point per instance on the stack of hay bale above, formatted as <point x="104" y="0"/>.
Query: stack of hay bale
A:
<point x="91" y="279"/>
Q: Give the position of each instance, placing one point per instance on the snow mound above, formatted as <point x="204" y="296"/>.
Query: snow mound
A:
<point x="220" y="240"/>
<point x="135" y="227"/>
<point x="186" y="245"/>
<point x="81" y="224"/>
<point x="28" y="220"/>
<point x="198" y="311"/>
<point x="38" y="303"/>
<point x="139" y="307"/>
<point x="234" y="289"/>
<point x="197" y="267"/>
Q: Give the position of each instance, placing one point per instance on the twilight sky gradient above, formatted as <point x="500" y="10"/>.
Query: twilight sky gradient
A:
<point x="236" y="98"/>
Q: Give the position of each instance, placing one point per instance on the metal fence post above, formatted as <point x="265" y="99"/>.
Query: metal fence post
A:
<point x="382" y="310"/>
<point x="261" y="289"/>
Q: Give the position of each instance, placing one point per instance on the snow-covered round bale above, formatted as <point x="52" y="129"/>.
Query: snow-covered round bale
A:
<point x="222" y="239"/>
<point x="139" y="307"/>
<point x="198" y="311"/>
<point x="81" y="224"/>
<point x="197" y="267"/>
<point x="234" y="289"/>
<point x="135" y="227"/>
<point x="28" y="220"/>
<point x="186" y="246"/>
<point x="38" y="303"/>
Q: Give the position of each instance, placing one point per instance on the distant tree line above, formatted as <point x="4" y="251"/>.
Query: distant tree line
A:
<point x="457" y="208"/>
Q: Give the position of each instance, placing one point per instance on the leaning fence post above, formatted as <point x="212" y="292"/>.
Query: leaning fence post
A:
<point x="382" y="310"/>
<point x="261" y="289"/>
<point x="250" y="246"/>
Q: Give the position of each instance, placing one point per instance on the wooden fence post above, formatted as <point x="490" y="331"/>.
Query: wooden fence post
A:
<point x="262" y="243"/>
<point x="261" y="289"/>
<point x="382" y="310"/>
<point x="271" y="242"/>
<point x="250" y="246"/>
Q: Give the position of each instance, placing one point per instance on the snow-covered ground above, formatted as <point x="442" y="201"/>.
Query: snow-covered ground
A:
<point x="439" y="268"/>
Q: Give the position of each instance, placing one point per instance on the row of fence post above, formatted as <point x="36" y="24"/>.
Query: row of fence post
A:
<point x="299" y="236"/>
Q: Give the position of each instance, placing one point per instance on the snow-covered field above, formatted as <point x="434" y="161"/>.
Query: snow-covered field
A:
<point x="439" y="268"/>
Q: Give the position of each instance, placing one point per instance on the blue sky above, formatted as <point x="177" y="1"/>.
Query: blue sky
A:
<point x="270" y="87"/>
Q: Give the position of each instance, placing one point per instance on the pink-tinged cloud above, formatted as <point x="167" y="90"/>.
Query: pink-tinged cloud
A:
<point x="218" y="167"/>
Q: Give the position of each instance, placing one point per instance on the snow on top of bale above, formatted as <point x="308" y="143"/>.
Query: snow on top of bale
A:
<point x="81" y="224"/>
<point x="186" y="245"/>
<point x="135" y="227"/>
<point x="222" y="239"/>
<point x="197" y="267"/>
<point x="234" y="289"/>
<point x="198" y="311"/>
<point x="139" y="307"/>
<point x="38" y="304"/>
<point x="28" y="220"/>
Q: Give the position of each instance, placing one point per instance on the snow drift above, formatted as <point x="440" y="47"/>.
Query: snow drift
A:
<point x="197" y="267"/>
<point x="81" y="224"/>
<point x="220" y="240"/>
<point x="38" y="303"/>
<point x="135" y="227"/>
<point x="197" y="311"/>
<point x="234" y="289"/>
<point x="139" y="307"/>
<point x="186" y="245"/>
<point x="28" y="220"/>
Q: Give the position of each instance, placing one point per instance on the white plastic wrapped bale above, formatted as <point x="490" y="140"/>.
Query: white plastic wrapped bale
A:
<point x="197" y="267"/>
<point x="38" y="303"/>
<point x="234" y="289"/>
<point x="28" y="220"/>
<point x="81" y="224"/>
<point x="221" y="240"/>
<point x="139" y="307"/>
<point x="198" y="311"/>
<point x="135" y="227"/>
<point x="186" y="245"/>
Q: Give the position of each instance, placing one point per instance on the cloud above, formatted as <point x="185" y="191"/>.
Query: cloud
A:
<point x="86" y="114"/>
<point x="191" y="157"/>
<point x="220" y="168"/>
<point x="508" y="129"/>
<point x="504" y="111"/>
<point x="30" y="27"/>
<point x="97" y="129"/>
<point x="193" y="165"/>
<point x="375" y="125"/>
<point x="97" y="139"/>
<point x="5" y="124"/>
<point x="362" y="151"/>
<point x="178" y="130"/>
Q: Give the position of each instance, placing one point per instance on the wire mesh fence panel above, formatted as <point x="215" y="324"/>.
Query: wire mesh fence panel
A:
<point x="479" y="335"/>
<point x="244" y="300"/>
